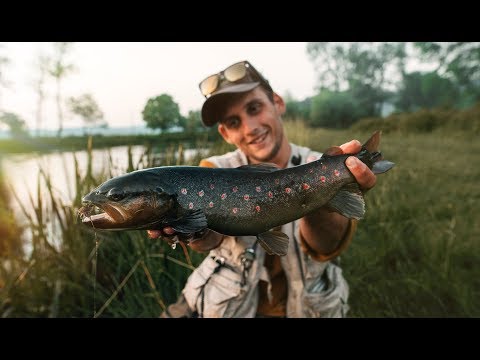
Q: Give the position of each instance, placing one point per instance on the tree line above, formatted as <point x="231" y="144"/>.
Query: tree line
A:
<point x="359" y="80"/>
<point x="354" y="81"/>
<point x="56" y="68"/>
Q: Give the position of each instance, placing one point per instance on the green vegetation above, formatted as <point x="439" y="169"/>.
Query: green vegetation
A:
<point x="71" y="143"/>
<point x="414" y="254"/>
<point x="441" y="122"/>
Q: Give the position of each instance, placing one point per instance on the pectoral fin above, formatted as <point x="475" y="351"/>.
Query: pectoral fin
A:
<point x="349" y="202"/>
<point x="274" y="242"/>
<point x="191" y="222"/>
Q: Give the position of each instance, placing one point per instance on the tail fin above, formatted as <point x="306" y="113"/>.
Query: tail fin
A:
<point x="372" y="157"/>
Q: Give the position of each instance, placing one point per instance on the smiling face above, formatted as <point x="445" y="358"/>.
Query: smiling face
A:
<point x="252" y="122"/>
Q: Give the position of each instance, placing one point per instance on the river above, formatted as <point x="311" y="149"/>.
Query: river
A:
<point x="22" y="172"/>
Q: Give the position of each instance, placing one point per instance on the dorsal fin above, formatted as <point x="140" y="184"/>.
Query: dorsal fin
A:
<point x="373" y="142"/>
<point x="333" y="150"/>
<point x="263" y="167"/>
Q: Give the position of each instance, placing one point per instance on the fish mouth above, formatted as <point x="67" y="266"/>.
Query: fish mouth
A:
<point x="101" y="216"/>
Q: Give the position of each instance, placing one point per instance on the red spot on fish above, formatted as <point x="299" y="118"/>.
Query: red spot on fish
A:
<point x="190" y="206"/>
<point x="235" y="189"/>
<point x="277" y="181"/>
<point x="311" y="171"/>
<point x="324" y="167"/>
<point x="270" y="195"/>
<point x="235" y="210"/>
<point x="201" y="193"/>
<point x="210" y="204"/>
<point x="246" y="197"/>
<point x="184" y="191"/>
<point x="305" y="186"/>
<point x="224" y="196"/>
<point x="323" y="179"/>
<point x="258" y="189"/>
<point x="212" y="186"/>
<point x="288" y="190"/>
<point x="257" y="208"/>
<point x="336" y="172"/>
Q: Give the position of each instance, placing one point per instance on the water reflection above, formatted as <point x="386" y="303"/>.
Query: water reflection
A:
<point x="23" y="171"/>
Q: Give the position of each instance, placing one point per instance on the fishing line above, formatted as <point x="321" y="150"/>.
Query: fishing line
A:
<point x="85" y="211"/>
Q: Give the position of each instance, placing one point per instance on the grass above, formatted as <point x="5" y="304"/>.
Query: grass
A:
<point x="415" y="253"/>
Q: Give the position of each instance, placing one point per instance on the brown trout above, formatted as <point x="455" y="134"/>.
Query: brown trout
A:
<point x="248" y="200"/>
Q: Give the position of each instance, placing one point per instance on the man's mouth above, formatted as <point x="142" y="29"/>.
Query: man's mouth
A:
<point x="259" y="139"/>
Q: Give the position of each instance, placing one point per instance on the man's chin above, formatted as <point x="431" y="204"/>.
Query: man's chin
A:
<point x="264" y="155"/>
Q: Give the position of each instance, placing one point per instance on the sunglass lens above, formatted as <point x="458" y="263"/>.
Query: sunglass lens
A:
<point x="235" y="72"/>
<point x="209" y="85"/>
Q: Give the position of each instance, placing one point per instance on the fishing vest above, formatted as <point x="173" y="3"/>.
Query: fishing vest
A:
<point x="225" y="284"/>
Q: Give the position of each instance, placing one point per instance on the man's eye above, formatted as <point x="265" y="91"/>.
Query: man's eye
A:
<point x="254" y="108"/>
<point x="232" y="123"/>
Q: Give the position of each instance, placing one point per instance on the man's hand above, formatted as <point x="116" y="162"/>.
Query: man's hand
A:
<point x="323" y="230"/>
<point x="364" y="176"/>
<point x="201" y="242"/>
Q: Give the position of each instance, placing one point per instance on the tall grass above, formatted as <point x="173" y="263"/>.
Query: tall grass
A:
<point x="416" y="250"/>
<point x="415" y="253"/>
<point x="87" y="273"/>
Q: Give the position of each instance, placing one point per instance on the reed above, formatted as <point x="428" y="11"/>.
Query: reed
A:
<point x="414" y="254"/>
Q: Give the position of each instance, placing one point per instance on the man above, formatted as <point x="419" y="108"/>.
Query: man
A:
<point x="238" y="279"/>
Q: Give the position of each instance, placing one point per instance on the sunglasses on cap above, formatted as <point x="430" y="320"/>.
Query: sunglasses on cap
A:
<point x="238" y="73"/>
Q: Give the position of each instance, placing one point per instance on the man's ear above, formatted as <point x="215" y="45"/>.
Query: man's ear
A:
<point x="279" y="103"/>
<point x="223" y="131"/>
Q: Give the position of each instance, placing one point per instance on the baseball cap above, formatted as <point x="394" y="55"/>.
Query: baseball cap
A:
<point x="237" y="78"/>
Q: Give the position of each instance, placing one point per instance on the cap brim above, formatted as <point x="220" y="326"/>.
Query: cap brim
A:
<point x="209" y="108"/>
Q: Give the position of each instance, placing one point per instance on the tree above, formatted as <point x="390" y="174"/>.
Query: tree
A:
<point x="425" y="90"/>
<point x="161" y="112"/>
<point x="457" y="61"/>
<point x="334" y="109"/>
<point x="4" y="61"/>
<point x="87" y="108"/>
<point x="58" y="69"/>
<point x="16" y="125"/>
<point x="193" y="121"/>
<point x="38" y="85"/>
<point x="296" y="109"/>
<point x="367" y="70"/>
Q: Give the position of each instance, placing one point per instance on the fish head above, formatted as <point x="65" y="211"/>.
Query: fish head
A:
<point x="137" y="200"/>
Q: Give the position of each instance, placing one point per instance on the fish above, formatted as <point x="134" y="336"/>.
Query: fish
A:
<point x="247" y="200"/>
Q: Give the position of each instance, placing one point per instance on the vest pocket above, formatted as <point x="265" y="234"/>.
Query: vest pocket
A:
<point x="211" y="288"/>
<point x="326" y="296"/>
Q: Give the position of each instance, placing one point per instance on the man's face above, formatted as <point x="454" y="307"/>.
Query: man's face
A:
<point x="253" y="124"/>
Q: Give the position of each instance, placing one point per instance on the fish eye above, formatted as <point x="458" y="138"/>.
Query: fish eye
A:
<point x="115" y="195"/>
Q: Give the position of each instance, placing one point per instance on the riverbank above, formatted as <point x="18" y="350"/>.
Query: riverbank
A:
<point x="74" y="143"/>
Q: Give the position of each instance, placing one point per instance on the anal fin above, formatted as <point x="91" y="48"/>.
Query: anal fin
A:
<point x="274" y="242"/>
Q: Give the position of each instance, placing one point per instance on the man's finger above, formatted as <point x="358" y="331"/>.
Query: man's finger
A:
<point x="351" y="147"/>
<point x="153" y="234"/>
<point x="168" y="230"/>
<point x="364" y="176"/>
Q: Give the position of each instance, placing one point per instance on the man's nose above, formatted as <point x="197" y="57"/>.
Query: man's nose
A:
<point x="251" y="124"/>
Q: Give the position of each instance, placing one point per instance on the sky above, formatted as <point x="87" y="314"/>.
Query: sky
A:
<point x="122" y="76"/>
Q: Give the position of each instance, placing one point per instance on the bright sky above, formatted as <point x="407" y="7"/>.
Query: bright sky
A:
<point x="123" y="76"/>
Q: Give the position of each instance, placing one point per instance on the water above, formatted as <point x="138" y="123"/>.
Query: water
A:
<point x="22" y="172"/>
